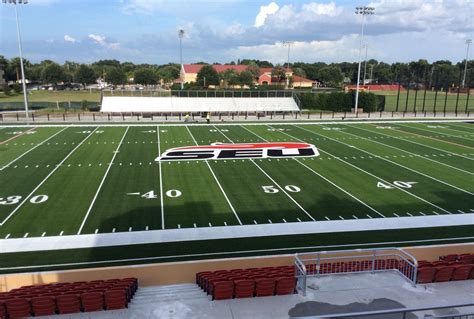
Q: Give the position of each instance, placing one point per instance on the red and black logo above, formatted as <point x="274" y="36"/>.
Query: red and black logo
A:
<point x="239" y="151"/>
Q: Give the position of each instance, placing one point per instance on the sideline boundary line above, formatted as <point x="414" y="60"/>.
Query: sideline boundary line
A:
<point x="34" y="147"/>
<point x="326" y="179"/>
<point x="47" y="177"/>
<point x="161" y="180"/>
<point x="102" y="182"/>
<point x="217" y="181"/>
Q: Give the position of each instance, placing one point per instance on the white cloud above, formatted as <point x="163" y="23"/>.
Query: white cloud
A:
<point x="265" y="11"/>
<point x="68" y="38"/>
<point x="102" y="41"/>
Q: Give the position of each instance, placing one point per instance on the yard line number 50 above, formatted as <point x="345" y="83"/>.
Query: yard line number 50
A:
<point x="12" y="200"/>
<point x="273" y="189"/>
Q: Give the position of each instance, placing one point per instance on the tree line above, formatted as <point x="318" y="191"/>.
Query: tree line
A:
<point x="438" y="74"/>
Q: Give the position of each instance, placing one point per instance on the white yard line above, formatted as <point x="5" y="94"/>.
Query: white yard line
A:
<point x="440" y="133"/>
<point x="394" y="163"/>
<point x="16" y="159"/>
<point x="327" y="180"/>
<point x="102" y="182"/>
<point x="273" y="181"/>
<point x="161" y="181"/>
<point x="418" y="155"/>
<point x="217" y="181"/>
<point x="368" y="173"/>
<point x="46" y="178"/>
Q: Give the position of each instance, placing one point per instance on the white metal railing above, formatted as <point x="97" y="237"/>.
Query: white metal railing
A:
<point x="354" y="261"/>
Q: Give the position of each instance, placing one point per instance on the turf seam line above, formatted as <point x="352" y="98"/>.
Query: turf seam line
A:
<point x="217" y="181"/>
<point x="16" y="159"/>
<point x="326" y="179"/>
<point x="368" y="173"/>
<point x="418" y="155"/>
<point x="46" y="178"/>
<point x="101" y="183"/>
<point x="278" y="185"/>
<point x="161" y="180"/>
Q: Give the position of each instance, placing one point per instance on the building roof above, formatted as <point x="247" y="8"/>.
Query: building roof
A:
<point x="195" y="68"/>
<point x="269" y="70"/>
<point x="297" y="78"/>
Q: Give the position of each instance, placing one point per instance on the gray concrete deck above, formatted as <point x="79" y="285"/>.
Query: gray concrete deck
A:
<point x="331" y="294"/>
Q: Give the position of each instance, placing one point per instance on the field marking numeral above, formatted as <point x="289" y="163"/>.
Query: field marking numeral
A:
<point x="222" y="130"/>
<point x="278" y="129"/>
<point x="89" y="132"/>
<point x="150" y="195"/>
<point x="173" y="193"/>
<point x="21" y="132"/>
<point x="400" y="184"/>
<point x="11" y="200"/>
<point x="273" y="190"/>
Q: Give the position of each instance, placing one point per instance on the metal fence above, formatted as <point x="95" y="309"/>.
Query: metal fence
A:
<point x="354" y="261"/>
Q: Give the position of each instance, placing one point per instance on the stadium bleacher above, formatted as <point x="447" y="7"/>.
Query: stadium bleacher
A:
<point x="447" y="268"/>
<point x="173" y="104"/>
<point x="67" y="298"/>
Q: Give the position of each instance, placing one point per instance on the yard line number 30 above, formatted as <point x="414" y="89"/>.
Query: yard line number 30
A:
<point x="12" y="200"/>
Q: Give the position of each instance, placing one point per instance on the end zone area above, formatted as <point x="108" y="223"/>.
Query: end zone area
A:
<point x="63" y="182"/>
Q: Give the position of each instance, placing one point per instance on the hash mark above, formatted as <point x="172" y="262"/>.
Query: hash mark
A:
<point x="42" y="235"/>
<point x="225" y="223"/>
<point x="298" y="220"/>
<point x="270" y="221"/>
<point x="255" y="222"/>
<point x="179" y="226"/>
<point x="210" y="225"/>
<point x="96" y="231"/>
<point x="369" y="216"/>
<point x="130" y="229"/>
<point x="461" y="211"/>
<point x="327" y="218"/>
<point x="6" y="237"/>
<point x="341" y="217"/>
<point x="146" y="228"/>
<point x="113" y="230"/>
<point x="422" y="213"/>
<point x="61" y="233"/>
<point x="284" y="220"/>
<point x="409" y="214"/>
<point x="436" y="213"/>
<point x="396" y="214"/>
<point x="355" y="217"/>
<point x="26" y="235"/>
<point x="194" y="225"/>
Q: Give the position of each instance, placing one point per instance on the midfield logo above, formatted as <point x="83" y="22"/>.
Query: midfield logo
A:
<point x="239" y="151"/>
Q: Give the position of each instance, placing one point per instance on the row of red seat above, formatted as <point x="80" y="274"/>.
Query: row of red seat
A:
<point x="464" y="258"/>
<point x="64" y="298"/>
<point x="250" y="282"/>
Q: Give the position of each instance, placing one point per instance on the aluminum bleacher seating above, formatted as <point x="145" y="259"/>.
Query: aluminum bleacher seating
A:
<point x="67" y="298"/>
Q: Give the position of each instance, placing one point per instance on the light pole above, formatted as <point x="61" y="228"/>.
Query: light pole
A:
<point x="289" y="44"/>
<point x="181" y="72"/>
<point x="365" y="63"/>
<point x="468" y="42"/>
<point x="23" y="82"/>
<point x="363" y="11"/>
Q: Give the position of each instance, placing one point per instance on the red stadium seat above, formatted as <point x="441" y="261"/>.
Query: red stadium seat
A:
<point x="223" y="290"/>
<point x="18" y="308"/>
<point x="425" y="275"/>
<point x="3" y="311"/>
<point x="92" y="301"/>
<point x="43" y="306"/>
<point x="264" y="287"/>
<point x="69" y="303"/>
<point x="244" y="288"/>
<point x="443" y="273"/>
<point x="115" y="299"/>
<point x="285" y="285"/>
<point x="461" y="272"/>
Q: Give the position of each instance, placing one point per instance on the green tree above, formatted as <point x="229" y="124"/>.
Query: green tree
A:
<point x="279" y="73"/>
<point x="254" y="69"/>
<point x="145" y="76"/>
<point x="331" y="75"/>
<point x="116" y="76"/>
<point x="85" y="75"/>
<point x="207" y="76"/>
<point x="299" y="72"/>
<point x="169" y="73"/>
<point x="53" y="73"/>
<point x="246" y="78"/>
<point x="229" y="77"/>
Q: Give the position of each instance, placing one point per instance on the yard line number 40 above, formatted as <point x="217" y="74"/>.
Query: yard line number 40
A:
<point x="396" y="183"/>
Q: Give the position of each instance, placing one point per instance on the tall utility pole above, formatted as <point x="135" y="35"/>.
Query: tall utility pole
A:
<point x="289" y="44"/>
<point x="181" y="71"/>
<point x="23" y="81"/>
<point x="362" y="11"/>
<point x="468" y="42"/>
<point x="365" y="62"/>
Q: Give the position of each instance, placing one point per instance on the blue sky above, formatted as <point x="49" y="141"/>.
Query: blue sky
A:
<point x="145" y="31"/>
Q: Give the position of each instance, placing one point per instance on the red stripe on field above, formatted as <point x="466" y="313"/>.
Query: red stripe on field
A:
<point x="14" y="137"/>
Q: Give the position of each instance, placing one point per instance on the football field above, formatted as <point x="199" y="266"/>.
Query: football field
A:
<point x="79" y="180"/>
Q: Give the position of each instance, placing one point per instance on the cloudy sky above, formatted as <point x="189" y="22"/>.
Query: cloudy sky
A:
<point x="145" y="31"/>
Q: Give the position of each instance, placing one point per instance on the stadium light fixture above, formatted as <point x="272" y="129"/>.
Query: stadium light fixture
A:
<point x="468" y="43"/>
<point x="364" y="11"/>
<point x="25" y="93"/>
<point x="181" y="72"/>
